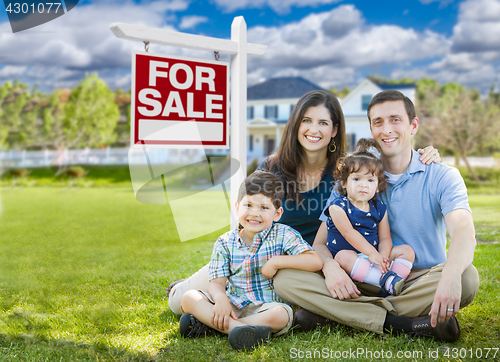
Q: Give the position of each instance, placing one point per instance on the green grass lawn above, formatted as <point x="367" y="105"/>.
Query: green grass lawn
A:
<point x="83" y="274"/>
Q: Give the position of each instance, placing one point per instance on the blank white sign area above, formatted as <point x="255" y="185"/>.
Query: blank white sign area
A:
<point x="155" y="130"/>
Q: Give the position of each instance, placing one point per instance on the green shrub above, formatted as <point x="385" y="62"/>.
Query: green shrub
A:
<point x="17" y="172"/>
<point x="252" y="166"/>
<point x="490" y="177"/>
<point x="75" y="172"/>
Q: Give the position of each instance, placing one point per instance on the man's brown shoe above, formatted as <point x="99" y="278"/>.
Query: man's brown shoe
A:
<point x="448" y="331"/>
<point x="307" y="321"/>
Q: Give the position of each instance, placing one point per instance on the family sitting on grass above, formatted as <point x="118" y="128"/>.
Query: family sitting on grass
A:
<point x="352" y="274"/>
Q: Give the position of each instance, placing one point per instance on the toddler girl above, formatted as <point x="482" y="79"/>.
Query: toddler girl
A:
<point x="358" y="227"/>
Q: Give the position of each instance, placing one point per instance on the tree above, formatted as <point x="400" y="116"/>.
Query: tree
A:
<point x="53" y="115"/>
<point x="90" y="115"/>
<point x="454" y="118"/>
<point x="123" y="100"/>
<point x="380" y="79"/>
<point x="494" y="96"/>
<point x="85" y="116"/>
<point x="341" y="93"/>
<point x="19" y="114"/>
<point x="492" y="144"/>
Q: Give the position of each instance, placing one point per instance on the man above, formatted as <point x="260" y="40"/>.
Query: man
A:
<point x="423" y="202"/>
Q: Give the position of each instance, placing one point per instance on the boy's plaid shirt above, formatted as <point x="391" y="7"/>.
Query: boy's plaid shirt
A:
<point x="242" y="264"/>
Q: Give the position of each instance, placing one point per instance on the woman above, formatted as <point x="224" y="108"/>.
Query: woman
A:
<point x="312" y="142"/>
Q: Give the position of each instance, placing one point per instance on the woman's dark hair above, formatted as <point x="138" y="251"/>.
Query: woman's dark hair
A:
<point x="289" y="158"/>
<point x="354" y="162"/>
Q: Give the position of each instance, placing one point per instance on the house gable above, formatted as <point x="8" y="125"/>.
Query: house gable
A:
<point x="352" y="104"/>
<point x="260" y="122"/>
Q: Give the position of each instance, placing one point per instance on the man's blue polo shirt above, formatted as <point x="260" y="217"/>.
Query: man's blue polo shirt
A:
<point x="417" y="204"/>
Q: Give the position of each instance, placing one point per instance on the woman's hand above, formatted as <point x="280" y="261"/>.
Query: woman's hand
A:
<point x="429" y="155"/>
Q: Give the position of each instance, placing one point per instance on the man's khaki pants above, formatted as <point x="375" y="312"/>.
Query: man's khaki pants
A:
<point x="197" y="281"/>
<point x="368" y="312"/>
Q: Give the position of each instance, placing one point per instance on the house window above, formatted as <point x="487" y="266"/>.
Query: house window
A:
<point x="365" y="101"/>
<point x="271" y="112"/>
<point x="250" y="112"/>
<point x="250" y="143"/>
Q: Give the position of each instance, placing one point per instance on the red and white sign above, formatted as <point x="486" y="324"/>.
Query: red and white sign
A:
<point x="179" y="102"/>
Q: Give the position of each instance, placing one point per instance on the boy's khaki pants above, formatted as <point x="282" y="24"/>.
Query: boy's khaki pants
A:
<point x="368" y="312"/>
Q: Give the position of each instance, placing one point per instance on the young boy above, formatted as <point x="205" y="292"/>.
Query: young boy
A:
<point x="249" y="257"/>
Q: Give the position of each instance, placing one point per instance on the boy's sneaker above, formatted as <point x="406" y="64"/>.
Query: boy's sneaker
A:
<point x="394" y="288"/>
<point x="190" y="327"/>
<point x="249" y="337"/>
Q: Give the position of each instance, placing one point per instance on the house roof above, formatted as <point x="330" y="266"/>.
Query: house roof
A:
<point x="279" y="88"/>
<point x="386" y="86"/>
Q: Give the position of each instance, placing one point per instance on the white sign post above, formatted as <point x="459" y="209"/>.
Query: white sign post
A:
<point x="239" y="50"/>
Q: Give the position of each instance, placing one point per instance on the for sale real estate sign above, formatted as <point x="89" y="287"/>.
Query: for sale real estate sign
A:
<point x="179" y="102"/>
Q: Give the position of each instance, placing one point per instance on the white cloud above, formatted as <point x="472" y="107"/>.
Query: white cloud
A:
<point x="10" y="72"/>
<point x="442" y="3"/>
<point x="479" y="10"/>
<point x="355" y="47"/>
<point x="332" y="48"/>
<point x="82" y="39"/>
<point x="191" y="21"/>
<point x="478" y="27"/>
<point x="481" y="77"/>
<point x="461" y="62"/>
<point x="279" y="6"/>
<point x="474" y="52"/>
<point x="336" y="56"/>
<point x="342" y="20"/>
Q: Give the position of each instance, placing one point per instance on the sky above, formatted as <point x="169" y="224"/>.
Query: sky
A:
<point x="332" y="43"/>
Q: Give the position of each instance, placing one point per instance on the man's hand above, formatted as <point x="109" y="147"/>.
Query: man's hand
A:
<point x="379" y="260"/>
<point x="269" y="269"/>
<point x="338" y="283"/>
<point x="221" y="313"/>
<point x="447" y="298"/>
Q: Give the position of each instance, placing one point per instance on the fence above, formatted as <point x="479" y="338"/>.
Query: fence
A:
<point x="473" y="161"/>
<point x="107" y="156"/>
<point x="120" y="156"/>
